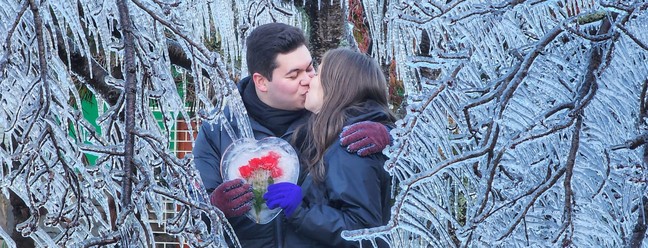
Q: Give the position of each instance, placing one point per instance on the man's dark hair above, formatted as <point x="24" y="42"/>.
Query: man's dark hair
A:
<point x="266" y="42"/>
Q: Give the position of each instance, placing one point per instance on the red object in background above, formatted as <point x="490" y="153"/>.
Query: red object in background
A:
<point x="360" y="28"/>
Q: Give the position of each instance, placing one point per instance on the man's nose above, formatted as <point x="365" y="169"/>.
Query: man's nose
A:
<point x="306" y="80"/>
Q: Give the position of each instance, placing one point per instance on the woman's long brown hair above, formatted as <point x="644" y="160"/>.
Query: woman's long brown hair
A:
<point x="348" y="79"/>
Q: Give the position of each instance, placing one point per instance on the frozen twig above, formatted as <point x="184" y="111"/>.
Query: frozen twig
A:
<point x="130" y="88"/>
<point x="5" y="59"/>
<point x="570" y="202"/>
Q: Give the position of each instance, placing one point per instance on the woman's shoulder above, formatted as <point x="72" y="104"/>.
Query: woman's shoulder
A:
<point x="368" y="111"/>
<point x="337" y="154"/>
<point x="342" y="166"/>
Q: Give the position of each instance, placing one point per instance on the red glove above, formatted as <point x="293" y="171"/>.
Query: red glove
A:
<point x="233" y="198"/>
<point x="365" y="137"/>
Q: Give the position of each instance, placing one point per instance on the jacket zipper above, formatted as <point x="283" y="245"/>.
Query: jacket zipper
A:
<point x="278" y="232"/>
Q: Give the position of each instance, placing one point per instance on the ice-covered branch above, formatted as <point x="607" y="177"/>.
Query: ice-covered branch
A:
<point x="94" y="74"/>
<point x="106" y="239"/>
<point x="504" y="87"/>
<point x="177" y="56"/>
<point x="5" y="59"/>
<point x="634" y="38"/>
<point x="156" y="143"/>
<point x="215" y="215"/>
<point x="491" y="93"/>
<point x="72" y="181"/>
<point x="206" y="54"/>
<point x="391" y="163"/>
<point x="624" y="7"/>
<point x="424" y="16"/>
<point x="633" y="143"/>
<point x="639" y="231"/>
<point x="408" y="188"/>
<point x="130" y="88"/>
<point x="570" y="201"/>
<point x="643" y="102"/>
<point x="584" y="94"/>
<point x="42" y="56"/>
<point x="530" y="192"/>
<point x="490" y="9"/>
<point x="583" y="34"/>
<point x="523" y="71"/>
<point x="534" y="197"/>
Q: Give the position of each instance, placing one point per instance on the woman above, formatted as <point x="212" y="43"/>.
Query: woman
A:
<point x="342" y="191"/>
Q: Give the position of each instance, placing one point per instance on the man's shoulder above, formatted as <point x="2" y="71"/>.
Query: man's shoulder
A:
<point x="216" y="130"/>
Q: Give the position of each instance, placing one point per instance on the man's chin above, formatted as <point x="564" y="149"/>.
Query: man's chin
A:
<point x="297" y="108"/>
<point x="302" y="105"/>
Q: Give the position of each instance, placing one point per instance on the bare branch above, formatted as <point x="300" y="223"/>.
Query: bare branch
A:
<point x="624" y="7"/>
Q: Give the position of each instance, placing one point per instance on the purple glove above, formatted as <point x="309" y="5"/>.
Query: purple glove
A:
<point x="365" y="138"/>
<point x="285" y="195"/>
<point x="233" y="197"/>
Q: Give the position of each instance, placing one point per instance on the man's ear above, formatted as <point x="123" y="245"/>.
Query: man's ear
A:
<point x="260" y="82"/>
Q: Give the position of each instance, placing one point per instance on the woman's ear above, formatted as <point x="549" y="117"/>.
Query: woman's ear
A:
<point x="260" y="82"/>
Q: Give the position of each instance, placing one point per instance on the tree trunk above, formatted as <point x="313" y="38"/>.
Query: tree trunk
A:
<point x="12" y="212"/>
<point x="326" y="26"/>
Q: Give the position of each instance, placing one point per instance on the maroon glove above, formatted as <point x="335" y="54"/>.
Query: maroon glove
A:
<point x="233" y="197"/>
<point x="365" y="138"/>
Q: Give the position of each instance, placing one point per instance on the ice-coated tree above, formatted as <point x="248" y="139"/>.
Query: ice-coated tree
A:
<point x="525" y="125"/>
<point x="122" y="51"/>
<point x="524" y="122"/>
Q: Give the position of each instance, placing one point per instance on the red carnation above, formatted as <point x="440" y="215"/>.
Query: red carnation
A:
<point x="268" y="163"/>
<point x="261" y="172"/>
<point x="246" y="171"/>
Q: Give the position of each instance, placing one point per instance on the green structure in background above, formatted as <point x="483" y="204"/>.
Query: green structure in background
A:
<point x="90" y="108"/>
<point x="90" y="111"/>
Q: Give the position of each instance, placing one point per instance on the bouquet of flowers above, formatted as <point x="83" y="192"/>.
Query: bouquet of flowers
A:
<point x="260" y="163"/>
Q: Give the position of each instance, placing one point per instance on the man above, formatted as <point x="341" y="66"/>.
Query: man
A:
<point x="281" y="69"/>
